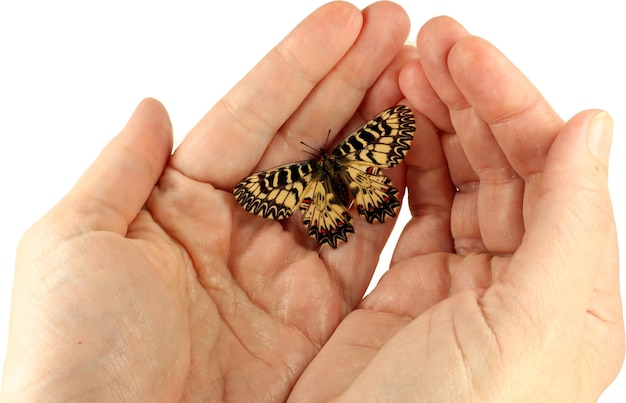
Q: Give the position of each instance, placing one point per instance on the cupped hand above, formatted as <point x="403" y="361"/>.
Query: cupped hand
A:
<point x="504" y="285"/>
<point x="149" y="282"/>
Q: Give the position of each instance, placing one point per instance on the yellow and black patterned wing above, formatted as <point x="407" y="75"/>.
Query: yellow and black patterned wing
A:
<point x="322" y="188"/>
<point x="324" y="213"/>
<point x="382" y="142"/>
<point x="276" y="193"/>
<point x="374" y="194"/>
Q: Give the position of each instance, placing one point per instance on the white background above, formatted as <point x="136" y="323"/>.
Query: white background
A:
<point x="71" y="73"/>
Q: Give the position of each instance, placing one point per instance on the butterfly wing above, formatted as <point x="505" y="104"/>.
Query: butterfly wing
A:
<point x="321" y="188"/>
<point x="382" y="142"/>
<point x="374" y="194"/>
<point x="276" y="193"/>
<point x="324" y="213"/>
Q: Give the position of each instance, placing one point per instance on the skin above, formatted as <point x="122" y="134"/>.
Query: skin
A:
<point x="148" y="282"/>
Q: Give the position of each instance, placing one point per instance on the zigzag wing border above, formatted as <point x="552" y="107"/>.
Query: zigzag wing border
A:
<point x="325" y="218"/>
<point x="373" y="193"/>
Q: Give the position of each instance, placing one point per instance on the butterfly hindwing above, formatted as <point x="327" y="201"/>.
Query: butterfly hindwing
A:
<point x="276" y="193"/>
<point x="324" y="215"/>
<point x="323" y="188"/>
<point x="374" y="195"/>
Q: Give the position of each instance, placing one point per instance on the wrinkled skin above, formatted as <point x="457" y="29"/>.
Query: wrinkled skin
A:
<point x="147" y="282"/>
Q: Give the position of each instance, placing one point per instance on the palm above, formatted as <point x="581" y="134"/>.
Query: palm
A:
<point x="259" y="304"/>
<point x="242" y="324"/>
<point x="271" y="297"/>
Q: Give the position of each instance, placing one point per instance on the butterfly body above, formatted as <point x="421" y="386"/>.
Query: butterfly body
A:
<point x="323" y="188"/>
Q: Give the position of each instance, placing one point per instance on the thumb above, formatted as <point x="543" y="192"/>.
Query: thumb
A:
<point x="114" y="188"/>
<point x="570" y="245"/>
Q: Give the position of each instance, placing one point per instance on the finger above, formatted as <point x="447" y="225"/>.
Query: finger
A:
<point x="506" y="136"/>
<point x="417" y="88"/>
<point x="335" y="99"/>
<point x="467" y="73"/>
<point x="228" y="142"/>
<point x="496" y="199"/>
<point x="432" y="89"/>
<point x="430" y="196"/>
<point x="522" y="121"/>
<point x="434" y="41"/>
<point x="570" y="245"/>
<point x="518" y="128"/>
<point x="111" y="192"/>
<point x="436" y="165"/>
<point x="504" y="127"/>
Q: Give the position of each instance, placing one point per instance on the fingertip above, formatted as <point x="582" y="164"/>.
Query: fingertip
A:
<point x="437" y="35"/>
<point x="395" y="13"/>
<point x="600" y="137"/>
<point x="334" y="7"/>
<point x="434" y="41"/>
<point x="344" y="18"/>
<point x="582" y="145"/>
<point x="149" y="133"/>
<point x="152" y="112"/>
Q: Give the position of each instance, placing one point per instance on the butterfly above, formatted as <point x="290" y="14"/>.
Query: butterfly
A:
<point x="324" y="187"/>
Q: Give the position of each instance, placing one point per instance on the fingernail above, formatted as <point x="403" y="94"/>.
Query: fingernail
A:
<point x="600" y="137"/>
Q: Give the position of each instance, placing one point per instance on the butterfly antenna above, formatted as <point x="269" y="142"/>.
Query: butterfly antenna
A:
<point x="327" y="138"/>
<point x="315" y="152"/>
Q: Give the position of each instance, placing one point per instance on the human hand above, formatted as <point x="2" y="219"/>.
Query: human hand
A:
<point x="149" y="282"/>
<point x="194" y="298"/>
<point x="504" y="285"/>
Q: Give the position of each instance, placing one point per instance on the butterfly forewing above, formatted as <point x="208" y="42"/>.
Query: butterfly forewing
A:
<point x="276" y="193"/>
<point x="322" y="188"/>
<point x="382" y="142"/>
